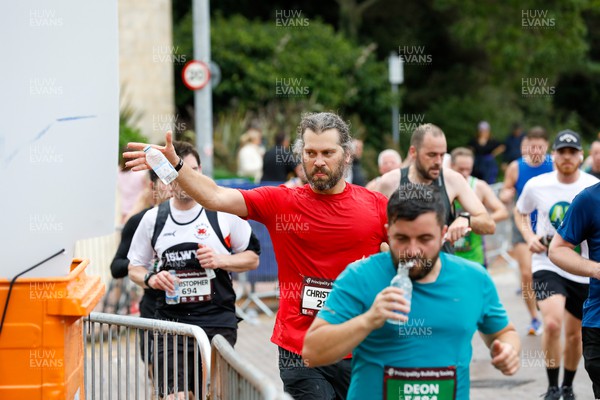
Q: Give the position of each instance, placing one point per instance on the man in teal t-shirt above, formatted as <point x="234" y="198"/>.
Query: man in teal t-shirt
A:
<point x="428" y="356"/>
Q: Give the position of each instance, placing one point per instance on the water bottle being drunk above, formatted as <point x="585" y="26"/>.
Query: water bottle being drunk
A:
<point x="161" y="166"/>
<point x="172" y="297"/>
<point x="402" y="281"/>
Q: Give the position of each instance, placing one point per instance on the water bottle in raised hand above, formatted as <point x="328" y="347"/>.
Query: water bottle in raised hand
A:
<point x="402" y="281"/>
<point x="161" y="166"/>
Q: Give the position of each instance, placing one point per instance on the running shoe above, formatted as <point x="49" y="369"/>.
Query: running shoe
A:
<point x="553" y="393"/>
<point x="567" y="393"/>
<point x="535" y="328"/>
<point x="518" y="291"/>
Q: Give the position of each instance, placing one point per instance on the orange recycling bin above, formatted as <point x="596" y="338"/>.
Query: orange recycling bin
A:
<point x="41" y="343"/>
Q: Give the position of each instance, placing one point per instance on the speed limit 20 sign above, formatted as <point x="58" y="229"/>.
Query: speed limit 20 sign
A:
<point x="195" y="74"/>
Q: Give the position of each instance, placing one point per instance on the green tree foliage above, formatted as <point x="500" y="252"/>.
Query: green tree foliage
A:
<point x="351" y="14"/>
<point x="522" y="41"/>
<point x="274" y="73"/>
<point x="520" y="38"/>
<point x="127" y="131"/>
<point x="482" y="55"/>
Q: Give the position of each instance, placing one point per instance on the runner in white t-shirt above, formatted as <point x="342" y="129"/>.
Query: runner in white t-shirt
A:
<point x="189" y="243"/>
<point x="556" y="290"/>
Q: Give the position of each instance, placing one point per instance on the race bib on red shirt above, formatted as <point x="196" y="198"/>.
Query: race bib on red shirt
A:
<point x="314" y="293"/>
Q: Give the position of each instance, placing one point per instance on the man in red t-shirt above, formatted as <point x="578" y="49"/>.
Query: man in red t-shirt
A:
<point x="317" y="230"/>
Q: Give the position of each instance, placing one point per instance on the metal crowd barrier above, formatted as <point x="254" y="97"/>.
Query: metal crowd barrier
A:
<point x="232" y="377"/>
<point x="119" y="354"/>
<point x="498" y="244"/>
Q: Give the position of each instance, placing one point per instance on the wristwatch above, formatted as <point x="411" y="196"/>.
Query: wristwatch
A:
<point x="179" y="164"/>
<point x="147" y="278"/>
<point x="466" y="215"/>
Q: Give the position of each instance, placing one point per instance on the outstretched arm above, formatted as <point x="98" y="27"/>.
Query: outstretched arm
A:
<point x="201" y="188"/>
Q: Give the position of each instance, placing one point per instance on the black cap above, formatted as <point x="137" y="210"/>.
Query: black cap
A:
<point x="567" y="138"/>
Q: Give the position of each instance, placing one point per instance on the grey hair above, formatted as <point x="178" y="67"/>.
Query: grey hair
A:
<point x="320" y="122"/>
<point x="419" y="134"/>
<point x="386" y="152"/>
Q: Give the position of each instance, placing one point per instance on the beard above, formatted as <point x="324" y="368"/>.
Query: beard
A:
<point x="422" y="265"/>
<point x="427" y="173"/>
<point x="321" y="184"/>
<point x="566" y="169"/>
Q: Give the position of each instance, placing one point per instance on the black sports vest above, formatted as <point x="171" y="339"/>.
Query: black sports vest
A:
<point x="437" y="184"/>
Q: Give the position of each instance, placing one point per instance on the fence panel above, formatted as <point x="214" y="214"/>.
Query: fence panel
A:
<point x="120" y="354"/>
<point x="498" y="244"/>
<point x="233" y="377"/>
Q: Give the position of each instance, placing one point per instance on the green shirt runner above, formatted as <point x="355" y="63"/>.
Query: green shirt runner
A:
<point x="470" y="247"/>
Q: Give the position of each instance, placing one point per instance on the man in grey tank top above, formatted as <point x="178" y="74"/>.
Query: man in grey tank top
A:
<point x="427" y="149"/>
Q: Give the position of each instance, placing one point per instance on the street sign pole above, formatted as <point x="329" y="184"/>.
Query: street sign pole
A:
<point x="203" y="97"/>
<point x="395" y="115"/>
<point x="396" y="77"/>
